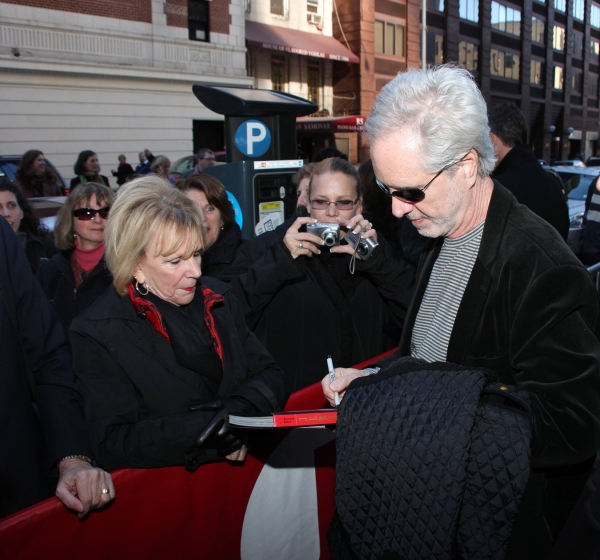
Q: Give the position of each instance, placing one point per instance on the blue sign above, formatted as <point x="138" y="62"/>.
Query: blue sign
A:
<point x="239" y="217"/>
<point x="253" y="138"/>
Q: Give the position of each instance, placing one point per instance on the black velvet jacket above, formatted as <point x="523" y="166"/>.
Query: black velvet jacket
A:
<point x="529" y="313"/>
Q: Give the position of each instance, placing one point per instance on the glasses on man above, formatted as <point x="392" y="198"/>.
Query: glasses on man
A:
<point x="413" y="194"/>
<point x="318" y="204"/>
<point x="89" y="213"/>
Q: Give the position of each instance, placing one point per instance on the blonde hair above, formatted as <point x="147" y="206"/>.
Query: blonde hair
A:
<point x="64" y="236"/>
<point x="147" y="210"/>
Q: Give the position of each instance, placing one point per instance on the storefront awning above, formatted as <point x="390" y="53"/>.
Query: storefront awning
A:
<point x="297" y="42"/>
<point x="354" y="123"/>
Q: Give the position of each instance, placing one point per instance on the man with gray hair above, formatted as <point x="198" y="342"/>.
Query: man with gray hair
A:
<point x="497" y="287"/>
<point x="204" y="158"/>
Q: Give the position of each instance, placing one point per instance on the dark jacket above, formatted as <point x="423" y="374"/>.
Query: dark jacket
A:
<point x="25" y="461"/>
<point x="123" y="173"/>
<point x="302" y="312"/>
<point x="138" y="397"/>
<point x="451" y="489"/>
<point x="521" y="173"/>
<point x="530" y="313"/>
<point x="37" y="248"/>
<point x="58" y="282"/>
<point x="76" y="181"/>
<point x="222" y="253"/>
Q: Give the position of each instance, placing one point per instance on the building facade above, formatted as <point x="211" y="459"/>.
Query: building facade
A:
<point x="115" y="76"/>
<point x="540" y="55"/>
<point x="291" y="48"/>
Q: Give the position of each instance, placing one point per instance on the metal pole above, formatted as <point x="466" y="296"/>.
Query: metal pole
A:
<point x="424" y="34"/>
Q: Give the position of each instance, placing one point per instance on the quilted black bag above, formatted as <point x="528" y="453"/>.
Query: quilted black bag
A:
<point x="432" y="462"/>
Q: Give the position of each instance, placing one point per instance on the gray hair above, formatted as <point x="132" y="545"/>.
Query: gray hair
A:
<point x="444" y="106"/>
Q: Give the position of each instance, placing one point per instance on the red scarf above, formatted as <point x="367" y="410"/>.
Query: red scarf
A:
<point x="87" y="259"/>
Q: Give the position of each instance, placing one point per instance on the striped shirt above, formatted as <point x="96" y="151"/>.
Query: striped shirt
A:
<point x="444" y="292"/>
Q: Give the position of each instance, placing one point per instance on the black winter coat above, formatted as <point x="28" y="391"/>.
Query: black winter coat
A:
<point x="530" y="314"/>
<point x="222" y="253"/>
<point x="25" y="457"/>
<point x="37" y="248"/>
<point x="138" y="397"/>
<point x="521" y="173"/>
<point x="302" y="315"/>
<point x="58" y="283"/>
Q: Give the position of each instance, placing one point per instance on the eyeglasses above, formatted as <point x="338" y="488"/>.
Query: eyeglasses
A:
<point x="89" y="213"/>
<point x="339" y="204"/>
<point x="414" y="194"/>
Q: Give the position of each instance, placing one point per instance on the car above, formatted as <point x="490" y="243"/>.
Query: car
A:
<point x="592" y="162"/>
<point x="187" y="162"/>
<point x="10" y="164"/>
<point x="46" y="208"/>
<point x="569" y="163"/>
<point x="576" y="181"/>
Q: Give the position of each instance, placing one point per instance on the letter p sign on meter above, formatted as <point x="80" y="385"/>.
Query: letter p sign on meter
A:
<point x="252" y="138"/>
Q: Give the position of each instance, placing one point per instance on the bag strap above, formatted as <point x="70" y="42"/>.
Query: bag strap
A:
<point x="13" y="315"/>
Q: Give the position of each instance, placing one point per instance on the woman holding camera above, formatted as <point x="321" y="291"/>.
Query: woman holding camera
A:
<point x="301" y="298"/>
<point x="165" y="356"/>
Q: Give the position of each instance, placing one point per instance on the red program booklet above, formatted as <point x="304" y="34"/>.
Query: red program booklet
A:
<point x="291" y="419"/>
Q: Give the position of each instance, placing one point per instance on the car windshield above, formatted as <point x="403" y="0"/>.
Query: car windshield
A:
<point x="576" y="185"/>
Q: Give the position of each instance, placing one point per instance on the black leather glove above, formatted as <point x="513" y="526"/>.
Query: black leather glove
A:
<point x="217" y="433"/>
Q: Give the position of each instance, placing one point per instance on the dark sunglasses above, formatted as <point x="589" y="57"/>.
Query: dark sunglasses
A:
<point x="413" y="194"/>
<point x="89" y="213"/>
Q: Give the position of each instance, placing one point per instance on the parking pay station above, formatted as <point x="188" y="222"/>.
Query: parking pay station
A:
<point x="260" y="133"/>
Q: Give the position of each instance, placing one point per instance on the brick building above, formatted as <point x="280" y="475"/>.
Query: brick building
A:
<point x="115" y="76"/>
<point x="291" y="48"/>
<point x="542" y="56"/>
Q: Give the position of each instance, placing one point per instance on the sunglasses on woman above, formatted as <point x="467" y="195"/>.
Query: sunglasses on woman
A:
<point x="414" y="194"/>
<point x="89" y="213"/>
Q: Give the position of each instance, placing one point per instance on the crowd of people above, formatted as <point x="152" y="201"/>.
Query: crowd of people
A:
<point x="151" y="319"/>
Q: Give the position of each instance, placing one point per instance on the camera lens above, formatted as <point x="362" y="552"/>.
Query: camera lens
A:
<point x="329" y="239"/>
<point x="362" y="249"/>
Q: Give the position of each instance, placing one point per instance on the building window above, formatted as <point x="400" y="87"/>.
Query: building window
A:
<point x="314" y="82"/>
<point x="198" y="20"/>
<point x="594" y="51"/>
<point x="595" y="16"/>
<point x="559" y="77"/>
<point x="278" y="77"/>
<point x="435" y="48"/>
<point x="560" y="5"/>
<point x="592" y="86"/>
<point x="436" y="5"/>
<point x="506" y="19"/>
<point x="558" y="39"/>
<point x="505" y="64"/>
<point x="578" y="44"/>
<point x="538" y="27"/>
<point x="577" y="82"/>
<point x="578" y="9"/>
<point x="468" y="56"/>
<point x="280" y="8"/>
<point x="469" y="9"/>
<point x="536" y="72"/>
<point x="389" y="38"/>
<point x="313" y="12"/>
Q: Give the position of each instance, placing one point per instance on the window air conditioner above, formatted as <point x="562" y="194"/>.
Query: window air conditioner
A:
<point x="316" y="19"/>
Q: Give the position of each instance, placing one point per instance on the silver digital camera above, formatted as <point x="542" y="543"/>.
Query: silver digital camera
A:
<point x="329" y="233"/>
<point x="363" y="247"/>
